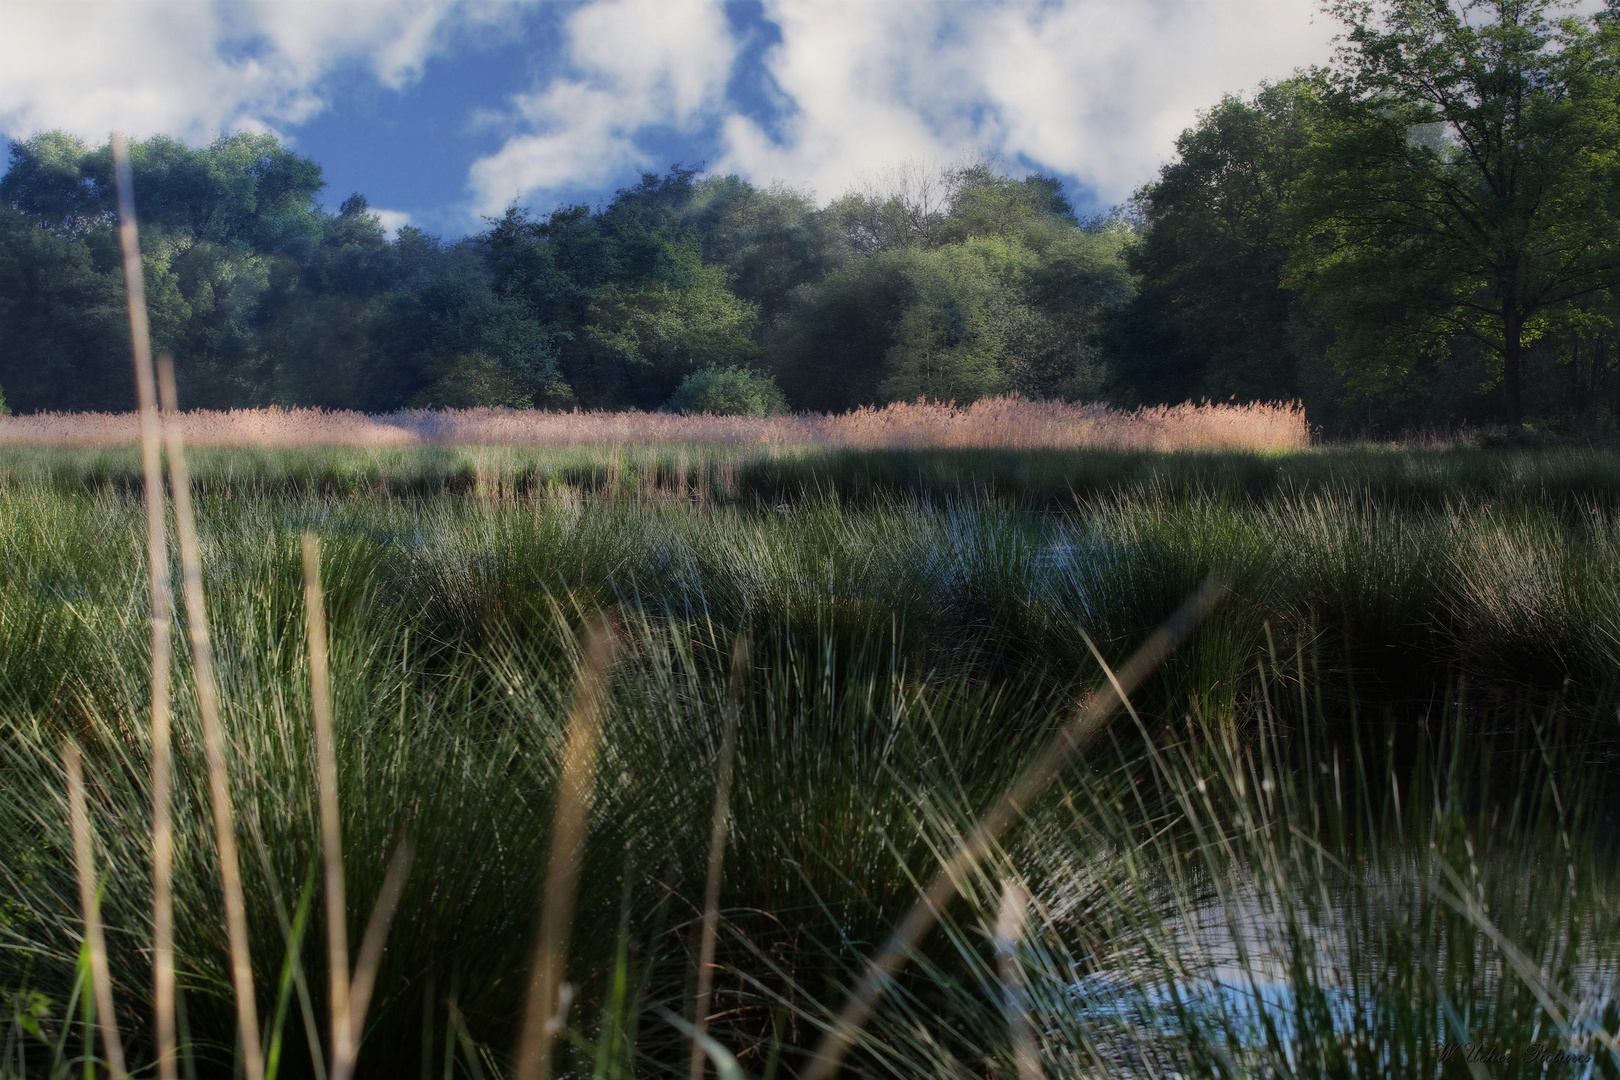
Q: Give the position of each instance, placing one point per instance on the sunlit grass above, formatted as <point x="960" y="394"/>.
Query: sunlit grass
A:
<point x="1009" y="422"/>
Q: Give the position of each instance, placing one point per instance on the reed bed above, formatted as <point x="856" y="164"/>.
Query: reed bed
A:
<point x="994" y="423"/>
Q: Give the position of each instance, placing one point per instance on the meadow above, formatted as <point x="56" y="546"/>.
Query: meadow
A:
<point x="1360" y="824"/>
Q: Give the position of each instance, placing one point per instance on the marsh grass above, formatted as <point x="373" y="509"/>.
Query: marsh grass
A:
<point x="1066" y="480"/>
<point x="1328" y="859"/>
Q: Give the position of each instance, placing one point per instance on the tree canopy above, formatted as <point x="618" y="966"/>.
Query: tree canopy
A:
<point x="1427" y="232"/>
<point x="1462" y="181"/>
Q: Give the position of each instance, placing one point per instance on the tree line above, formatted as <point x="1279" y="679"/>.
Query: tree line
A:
<point x="1426" y="232"/>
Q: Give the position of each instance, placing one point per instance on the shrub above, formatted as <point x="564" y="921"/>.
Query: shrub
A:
<point x="728" y="392"/>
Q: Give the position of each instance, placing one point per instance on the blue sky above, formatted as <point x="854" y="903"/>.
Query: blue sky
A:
<point x="442" y="111"/>
<point x="410" y="148"/>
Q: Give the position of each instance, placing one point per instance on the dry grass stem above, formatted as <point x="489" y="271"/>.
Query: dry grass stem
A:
<point x="337" y="931"/>
<point x="1093" y="714"/>
<point x="90" y="902"/>
<point x="717" y="854"/>
<point x="1014" y="991"/>
<point x="202" y="657"/>
<point x="376" y="936"/>
<point x="575" y="787"/>
<point x="993" y="422"/>
<point x="157" y="557"/>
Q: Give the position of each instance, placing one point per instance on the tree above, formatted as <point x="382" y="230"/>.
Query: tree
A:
<point x="1462" y="182"/>
<point x="1212" y="317"/>
<point x="643" y="339"/>
<point x="729" y="391"/>
<point x="215" y="224"/>
<point x="64" y="335"/>
<point x="448" y="339"/>
<point x="771" y="240"/>
<point x="957" y="287"/>
<point x="322" y="310"/>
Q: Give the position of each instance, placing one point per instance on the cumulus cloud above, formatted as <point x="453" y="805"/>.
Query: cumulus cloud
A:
<point x="633" y="65"/>
<point x="192" y="68"/>
<point x="1100" y="90"/>
<point x="1096" y="90"/>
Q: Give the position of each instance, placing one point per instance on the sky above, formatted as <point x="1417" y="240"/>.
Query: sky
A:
<point x="443" y="112"/>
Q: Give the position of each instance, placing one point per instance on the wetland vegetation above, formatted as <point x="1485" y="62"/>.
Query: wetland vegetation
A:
<point x="1364" y="813"/>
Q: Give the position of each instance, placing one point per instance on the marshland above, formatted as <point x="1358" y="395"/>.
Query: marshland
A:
<point x="1364" y="812"/>
<point x="934" y="631"/>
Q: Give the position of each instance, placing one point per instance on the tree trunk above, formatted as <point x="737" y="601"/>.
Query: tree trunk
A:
<point x="1512" y="374"/>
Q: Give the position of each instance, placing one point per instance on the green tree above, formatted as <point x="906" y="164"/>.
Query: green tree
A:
<point x="829" y="349"/>
<point x="64" y="336"/>
<point x="954" y="341"/>
<point x="448" y="339"/>
<point x="215" y="222"/>
<point x="644" y="338"/>
<point x="1212" y="317"/>
<point x="323" y="309"/>
<point x="957" y="287"/>
<point x="1462" y="182"/>
<point x="728" y="391"/>
<point x="771" y="240"/>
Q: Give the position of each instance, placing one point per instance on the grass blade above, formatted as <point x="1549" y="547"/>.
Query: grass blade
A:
<point x="202" y="653"/>
<point x="376" y="936"/>
<point x="575" y="786"/>
<point x="1009" y="931"/>
<point x="725" y="1063"/>
<point x="90" y="900"/>
<point x="1088" y="721"/>
<point x="717" y="854"/>
<point x="157" y="557"/>
<point x="337" y="929"/>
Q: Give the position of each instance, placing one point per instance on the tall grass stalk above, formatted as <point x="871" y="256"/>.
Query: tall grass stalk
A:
<point x="161" y="599"/>
<point x="718" y="832"/>
<point x="1093" y="714"/>
<point x="90" y="902"/>
<point x="549" y="996"/>
<point x="1010" y="923"/>
<point x="214" y="746"/>
<point x="337" y="933"/>
<point x="374" y="940"/>
<point x="349" y="998"/>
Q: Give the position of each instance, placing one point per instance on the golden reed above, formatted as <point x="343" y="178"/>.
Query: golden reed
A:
<point x="1009" y="422"/>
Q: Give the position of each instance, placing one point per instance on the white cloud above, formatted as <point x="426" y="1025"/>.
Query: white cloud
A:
<point x="1100" y="90"/>
<point x="1094" y="89"/>
<point x="193" y="68"/>
<point x="634" y="64"/>
<point x="391" y="220"/>
<point x="871" y="86"/>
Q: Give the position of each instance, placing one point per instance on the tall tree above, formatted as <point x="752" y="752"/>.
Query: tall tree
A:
<point x="1463" y="181"/>
<point x="1212" y="317"/>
